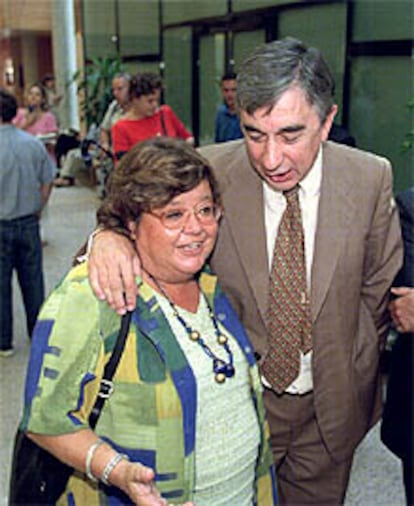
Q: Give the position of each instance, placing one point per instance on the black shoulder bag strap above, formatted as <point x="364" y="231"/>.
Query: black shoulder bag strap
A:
<point x="163" y="126"/>
<point x="37" y="477"/>
<point x="107" y="387"/>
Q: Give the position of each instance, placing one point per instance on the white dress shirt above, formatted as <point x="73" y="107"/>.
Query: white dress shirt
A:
<point x="274" y="207"/>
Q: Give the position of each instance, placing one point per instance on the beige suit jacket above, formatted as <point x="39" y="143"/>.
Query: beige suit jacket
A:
<point x="357" y="254"/>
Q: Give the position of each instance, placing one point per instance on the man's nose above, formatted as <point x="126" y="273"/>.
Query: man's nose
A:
<point x="272" y="155"/>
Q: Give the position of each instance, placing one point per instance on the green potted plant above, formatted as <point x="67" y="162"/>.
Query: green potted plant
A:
<point x="94" y="86"/>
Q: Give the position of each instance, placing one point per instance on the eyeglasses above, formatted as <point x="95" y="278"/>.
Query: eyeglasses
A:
<point x="176" y="219"/>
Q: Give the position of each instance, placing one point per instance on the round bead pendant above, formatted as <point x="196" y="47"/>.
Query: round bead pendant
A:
<point x="222" y="339"/>
<point x="194" y="335"/>
<point x="220" y="377"/>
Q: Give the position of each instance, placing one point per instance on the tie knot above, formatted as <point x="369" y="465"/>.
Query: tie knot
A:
<point x="292" y="195"/>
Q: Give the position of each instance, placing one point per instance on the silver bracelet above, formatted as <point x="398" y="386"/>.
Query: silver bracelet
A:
<point x="110" y="466"/>
<point x="89" y="457"/>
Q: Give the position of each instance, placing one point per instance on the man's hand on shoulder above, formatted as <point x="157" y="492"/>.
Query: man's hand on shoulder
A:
<point x="402" y="309"/>
<point x="113" y="265"/>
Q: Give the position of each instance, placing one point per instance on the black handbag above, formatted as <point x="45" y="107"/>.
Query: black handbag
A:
<point x="37" y="477"/>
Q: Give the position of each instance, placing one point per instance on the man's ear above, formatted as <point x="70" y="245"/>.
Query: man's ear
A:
<point x="327" y="124"/>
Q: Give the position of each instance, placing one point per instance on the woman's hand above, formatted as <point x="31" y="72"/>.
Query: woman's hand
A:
<point x="31" y="117"/>
<point x="134" y="479"/>
<point x="113" y="265"/>
<point x="138" y="483"/>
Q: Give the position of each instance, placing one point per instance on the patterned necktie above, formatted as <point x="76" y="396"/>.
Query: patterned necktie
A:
<point x="289" y="322"/>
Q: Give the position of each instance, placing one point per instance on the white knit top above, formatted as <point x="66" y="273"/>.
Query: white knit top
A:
<point x="227" y="428"/>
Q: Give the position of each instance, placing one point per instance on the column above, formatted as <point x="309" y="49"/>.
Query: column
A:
<point x="64" y="60"/>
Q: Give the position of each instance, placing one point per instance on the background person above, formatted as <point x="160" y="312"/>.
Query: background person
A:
<point x="227" y="124"/>
<point x="321" y="370"/>
<point x="26" y="175"/>
<point x="164" y="197"/>
<point x="398" y="420"/>
<point x="36" y="119"/>
<point x="145" y="118"/>
<point x="116" y="109"/>
<point x="74" y="161"/>
<point x="53" y="97"/>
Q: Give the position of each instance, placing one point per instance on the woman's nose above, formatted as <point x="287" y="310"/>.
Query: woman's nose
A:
<point x="192" y="223"/>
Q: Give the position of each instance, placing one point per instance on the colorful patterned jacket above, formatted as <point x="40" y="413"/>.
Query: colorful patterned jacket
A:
<point x="151" y="414"/>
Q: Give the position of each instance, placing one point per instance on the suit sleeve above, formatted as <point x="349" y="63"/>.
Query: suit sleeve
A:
<point x="384" y="253"/>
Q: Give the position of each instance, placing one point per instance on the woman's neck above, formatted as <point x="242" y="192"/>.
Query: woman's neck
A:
<point x="32" y="116"/>
<point x="184" y="293"/>
<point x="134" y="112"/>
<point x="133" y="115"/>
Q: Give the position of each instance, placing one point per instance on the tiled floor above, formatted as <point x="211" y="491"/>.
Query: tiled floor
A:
<point x="376" y="475"/>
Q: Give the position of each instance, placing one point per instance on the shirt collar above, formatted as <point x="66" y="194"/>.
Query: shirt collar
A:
<point x="311" y="183"/>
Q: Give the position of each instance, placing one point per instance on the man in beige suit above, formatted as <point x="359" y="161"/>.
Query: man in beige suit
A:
<point x="352" y="249"/>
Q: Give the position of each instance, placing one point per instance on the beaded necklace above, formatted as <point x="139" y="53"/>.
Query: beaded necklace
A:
<point x="221" y="369"/>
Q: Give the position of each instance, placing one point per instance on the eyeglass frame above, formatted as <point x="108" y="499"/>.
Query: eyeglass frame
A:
<point x="217" y="214"/>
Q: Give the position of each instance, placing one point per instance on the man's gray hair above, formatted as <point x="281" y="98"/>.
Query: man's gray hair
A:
<point x="122" y="75"/>
<point x="280" y="65"/>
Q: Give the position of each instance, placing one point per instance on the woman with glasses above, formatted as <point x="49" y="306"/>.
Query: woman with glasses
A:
<point x="185" y="424"/>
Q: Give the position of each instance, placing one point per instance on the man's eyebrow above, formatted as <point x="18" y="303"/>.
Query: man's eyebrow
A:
<point x="251" y="128"/>
<point x="285" y="130"/>
<point x="291" y="129"/>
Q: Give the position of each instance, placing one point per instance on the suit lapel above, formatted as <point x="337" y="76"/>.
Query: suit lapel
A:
<point x="335" y="213"/>
<point x="244" y="189"/>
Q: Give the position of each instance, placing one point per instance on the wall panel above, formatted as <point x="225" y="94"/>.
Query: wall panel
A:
<point x="324" y="27"/>
<point x="211" y="69"/>
<point x="178" y="72"/>
<point x="244" y="43"/>
<point x="138" y="27"/>
<point x="177" y="11"/>
<point x="379" y="118"/>
<point x="99" y="28"/>
<point x="242" y="5"/>
<point x="383" y="20"/>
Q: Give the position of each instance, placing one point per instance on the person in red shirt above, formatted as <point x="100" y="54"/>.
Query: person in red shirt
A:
<point x="145" y="118"/>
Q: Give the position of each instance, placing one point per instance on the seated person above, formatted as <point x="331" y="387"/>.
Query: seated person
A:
<point x="74" y="161"/>
<point x="53" y="97"/>
<point x="36" y="119"/>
